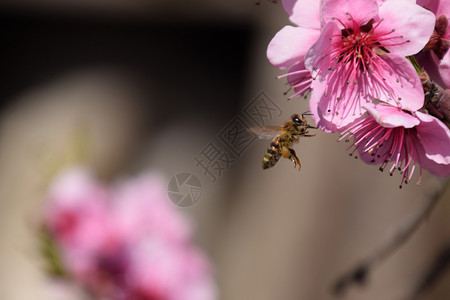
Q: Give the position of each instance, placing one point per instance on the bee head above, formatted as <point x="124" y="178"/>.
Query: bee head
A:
<point x="301" y="121"/>
<point x="297" y="120"/>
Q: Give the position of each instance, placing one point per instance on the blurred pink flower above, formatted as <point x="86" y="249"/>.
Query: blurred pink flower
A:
<point x="390" y="135"/>
<point x="126" y="241"/>
<point x="360" y="56"/>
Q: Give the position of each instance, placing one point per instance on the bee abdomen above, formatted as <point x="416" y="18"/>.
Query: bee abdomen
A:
<point x="273" y="154"/>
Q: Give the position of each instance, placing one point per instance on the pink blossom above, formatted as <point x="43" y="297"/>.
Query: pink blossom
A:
<point x="437" y="61"/>
<point x="395" y="139"/>
<point x="360" y="56"/>
<point x="289" y="46"/>
<point x="126" y="241"/>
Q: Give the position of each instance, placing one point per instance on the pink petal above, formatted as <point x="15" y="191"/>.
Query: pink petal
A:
<point x="324" y="119"/>
<point x="441" y="7"/>
<point x="380" y="2"/>
<point x="305" y="13"/>
<point x="290" y="45"/>
<point x="403" y="78"/>
<point x="430" y="62"/>
<point x="431" y="5"/>
<point x="320" y="46"/>
<point x="391" y="116"/>
<point x="435" y="138"/>
<point x="413" y="26"/>
<point x="444" y="69"/>
<point x="318" y="113"/>
<point x="361" y="11"/>
<point x="288" y="5"/>
<point x="433" y="167"/>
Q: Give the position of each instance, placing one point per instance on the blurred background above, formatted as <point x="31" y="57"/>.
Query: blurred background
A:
<point x="153" y="84"/>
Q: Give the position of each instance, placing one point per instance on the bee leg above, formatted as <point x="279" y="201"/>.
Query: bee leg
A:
<point x="290" y="153"/>
<point x="309" y="135"/>
<point x="293" y="157"/>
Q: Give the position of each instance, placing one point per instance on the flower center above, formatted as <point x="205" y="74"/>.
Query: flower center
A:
<point x="354" y="66"/>
<point x="382" y="146"/>
<point x="356" y="46"/>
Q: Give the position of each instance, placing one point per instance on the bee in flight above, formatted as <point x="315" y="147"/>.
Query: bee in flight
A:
<point x="284" y="137"/>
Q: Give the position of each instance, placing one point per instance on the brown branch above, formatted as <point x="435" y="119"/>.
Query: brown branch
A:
<point x="359" y="274"/>
<point x="437" y="99"/>
<point x="436" y="270"/>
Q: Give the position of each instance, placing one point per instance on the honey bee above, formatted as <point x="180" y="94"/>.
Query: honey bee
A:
<point x="284" y="137"/>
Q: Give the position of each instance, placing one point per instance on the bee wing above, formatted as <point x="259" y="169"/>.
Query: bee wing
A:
<point x="266" y="132"/>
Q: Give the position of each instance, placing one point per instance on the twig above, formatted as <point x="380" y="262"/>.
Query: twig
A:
<point x="438" y="267"/>
<point x="359" y="274"/>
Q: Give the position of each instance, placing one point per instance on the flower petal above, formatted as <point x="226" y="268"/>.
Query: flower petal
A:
<point x="327" y="120"/>
<point x="361" y="11"/>
<point x="318" y="113"/>
<point x="444" y="69"/>
<point x="321" y="45"/>
<point x="430" y="62"/>
<point x="435" y="138"/>
<point x="441" y="7"/>
<point x="412" y="27"/>
<point x="403" y="79"/>
<point x="290" y="45"/>
<point x="305" y="13"/>
<point x="391" y="116"/>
